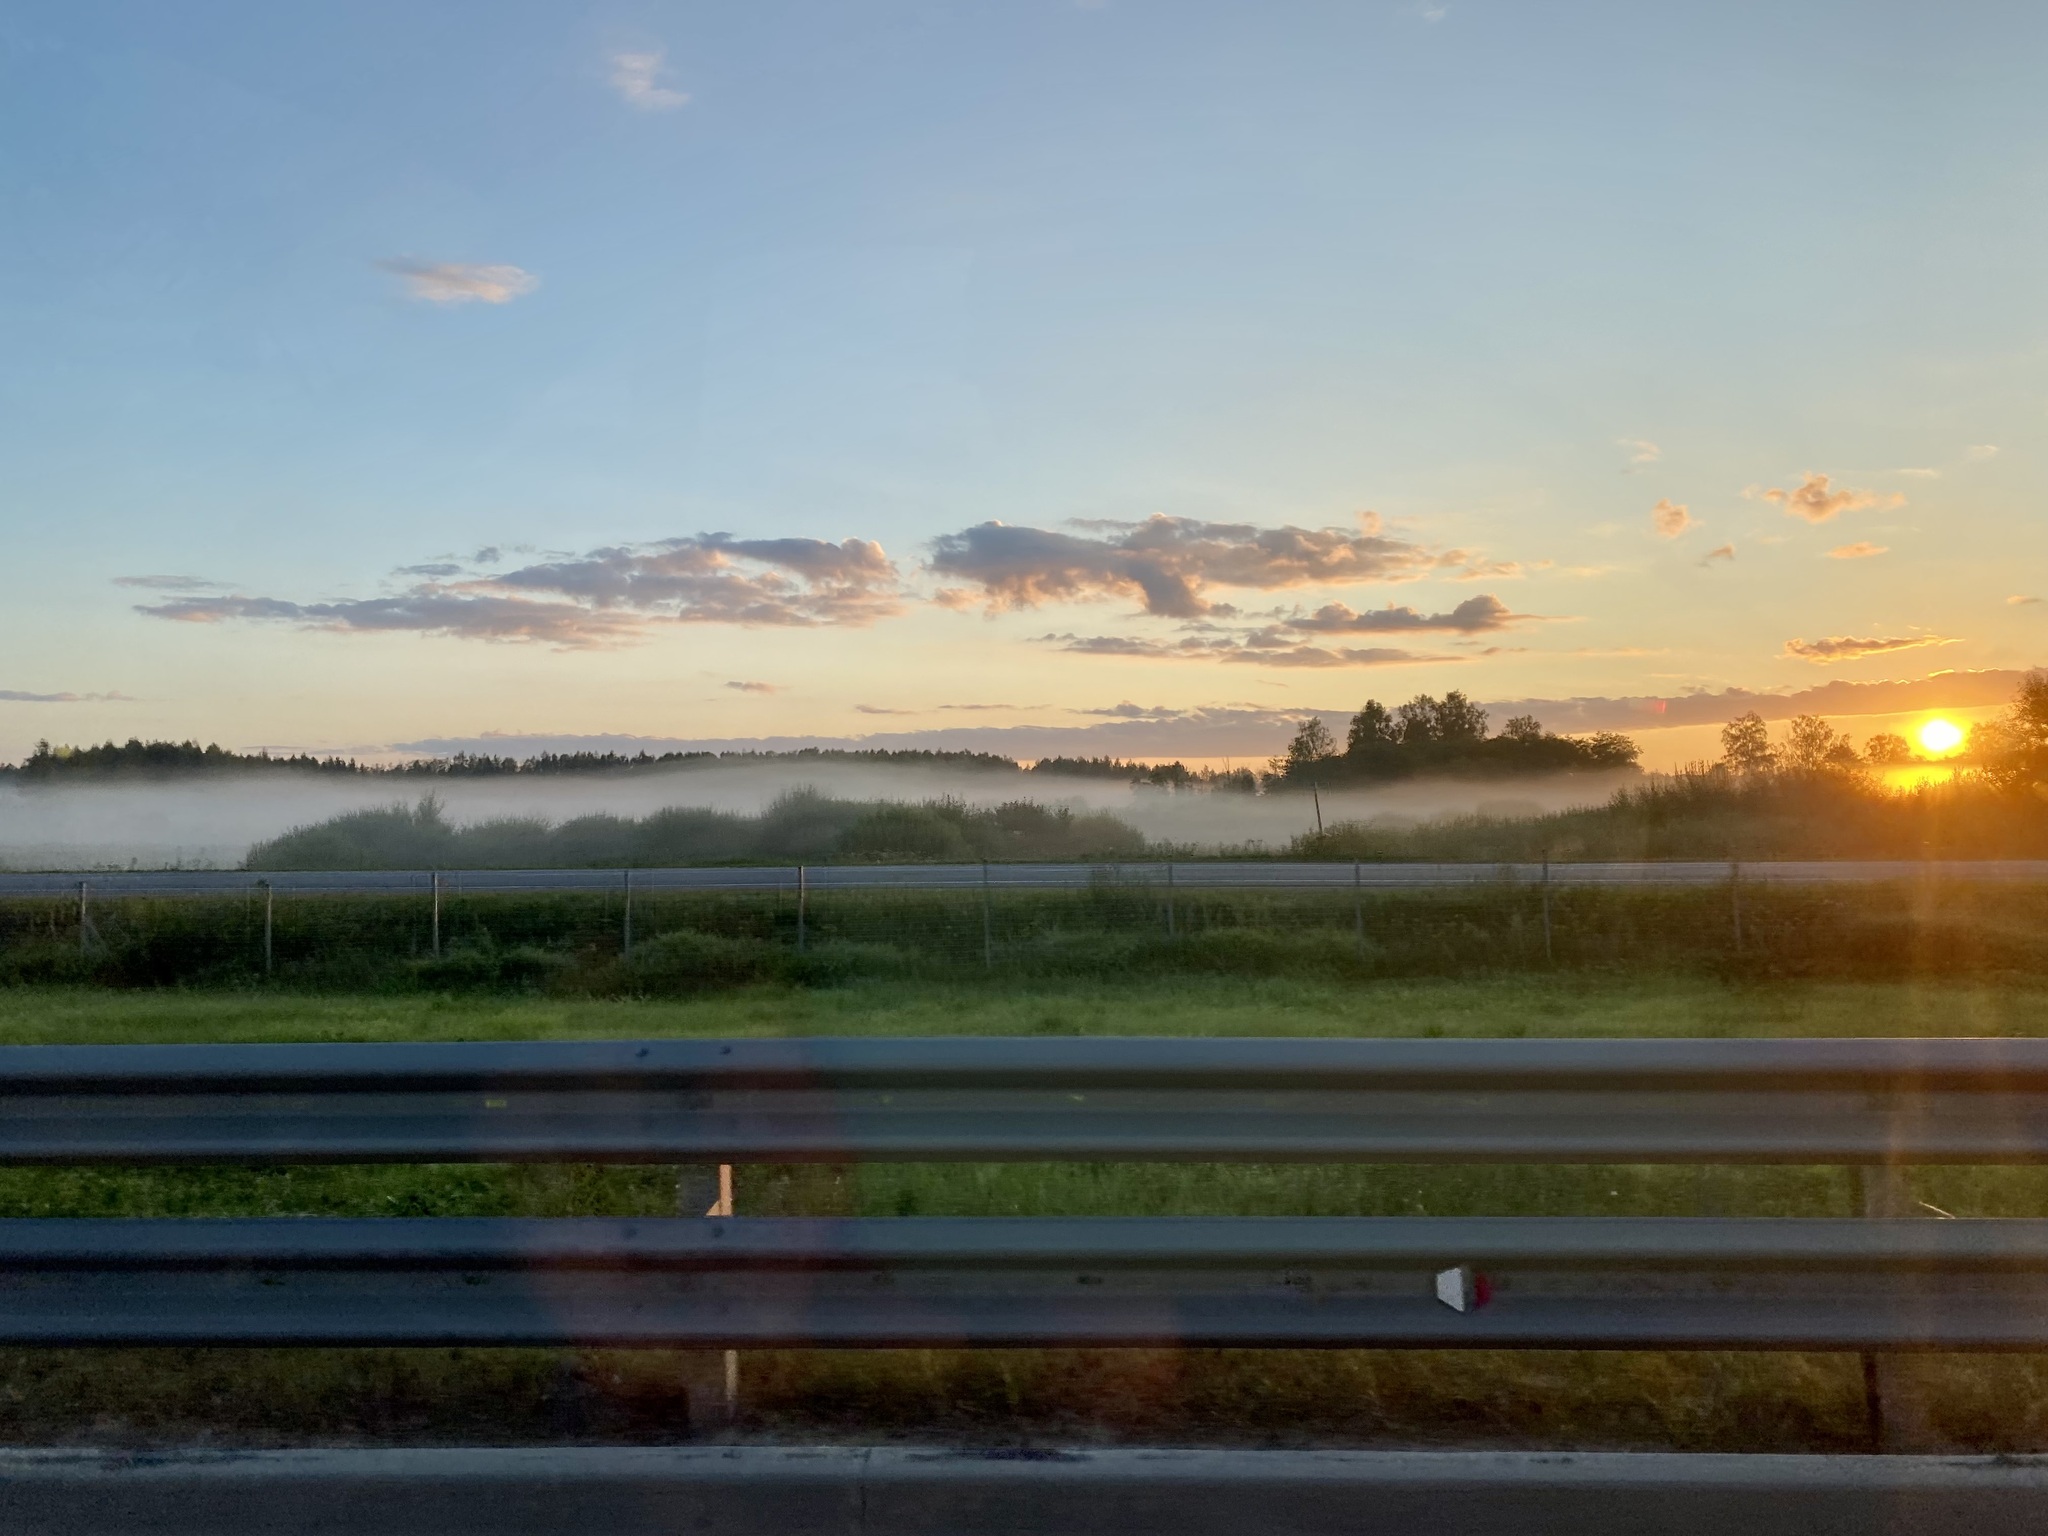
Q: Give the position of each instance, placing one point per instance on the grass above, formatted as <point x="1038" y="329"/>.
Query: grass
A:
<point x="1688" y="1400"/>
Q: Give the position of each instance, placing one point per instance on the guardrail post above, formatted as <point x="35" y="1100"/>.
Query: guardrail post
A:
<point x="988" y="926"/>
<point x="1892" y="1406"/>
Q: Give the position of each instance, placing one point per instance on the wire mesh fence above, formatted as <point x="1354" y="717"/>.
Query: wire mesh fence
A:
<point x="614" y="932"/>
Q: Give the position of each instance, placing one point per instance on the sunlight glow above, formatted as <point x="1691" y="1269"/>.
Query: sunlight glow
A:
<point x="1940" y="736"/>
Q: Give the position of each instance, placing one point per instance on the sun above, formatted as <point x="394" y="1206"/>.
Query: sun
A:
<point x="1941" y="736"/>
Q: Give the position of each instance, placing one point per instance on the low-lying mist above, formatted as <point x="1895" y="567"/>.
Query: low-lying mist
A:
<point x="214" y="821"/>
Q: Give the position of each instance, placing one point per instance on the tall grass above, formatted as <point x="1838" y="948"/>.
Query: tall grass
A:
<point x="574" y="944"/>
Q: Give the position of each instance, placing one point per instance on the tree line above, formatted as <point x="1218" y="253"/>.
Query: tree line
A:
<point x="1439" y="736"/>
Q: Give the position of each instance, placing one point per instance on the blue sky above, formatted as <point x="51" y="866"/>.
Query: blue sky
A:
<point x="309" y="307"/>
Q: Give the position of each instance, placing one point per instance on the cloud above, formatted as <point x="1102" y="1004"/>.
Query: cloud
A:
<point x="1919" y="473"/>
<point x="1977" y="453"/>
<point x="1818" y="502"/>
<point x="1169" y="562"/>
<point x="1671" y="518"/>
<point x="169" y="583"/>
<point x="1265" y="648"/>
<point x="876" y="709"/>
<point x="456" y="282"/>
<point x="2021" y="601"/>
<point x="1939" y="690"/>
<point x="1642" y="452"/>
<point x="1850" y="648"/>
<point x="633" y="77"/>
<point x="1860" y="550"/>
<point x="608" y="596"/>
<point x="750" y="687"/>
<point x="20" y="696"/>
<point x="1476" y="615"/>
<point x="1723" y="552"/>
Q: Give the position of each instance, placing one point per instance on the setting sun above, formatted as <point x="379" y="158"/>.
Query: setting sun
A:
<point x="1941" y="736"/>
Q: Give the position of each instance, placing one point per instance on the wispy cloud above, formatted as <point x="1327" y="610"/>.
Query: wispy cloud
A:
<point x="1641" y="452"/>
<point x="2020" y="600"/>
<point x="635" y="77"/>
<point x="456" y="282"/>
<point x="1816" y="499"/>
<point x="1264" y="649"/>
<point x="1849" y="647"/>
<point x="1919" y="472"/>
<point x="608" y="596"/>
<point x="1722" y="552"/>
<point x="1169" y="563"/>
<point x="1977" y="453"/>
<point x="1671" y="518"/>
<point x="877" y="709"/>
<point x="741" y="686"/>
<point x="169" y="583"/>
<point x="21" y="696"/>
<point x="1861" y="550"/>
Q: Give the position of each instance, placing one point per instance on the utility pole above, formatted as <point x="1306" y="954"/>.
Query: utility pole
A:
<point x="1548" y="957"/>
<point x="1317" y="796"/>
<point x="436" y="878"/>
<point x="626" y="879"/>
<point x="802" y="906"/>
<point x="269" y="900"/>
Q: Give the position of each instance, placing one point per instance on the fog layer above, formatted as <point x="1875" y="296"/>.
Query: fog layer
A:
<point x="210" y="822"/>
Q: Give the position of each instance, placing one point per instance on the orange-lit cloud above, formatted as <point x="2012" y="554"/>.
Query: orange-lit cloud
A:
<point x="1858" y="551"/>
<point x="1671" y="518"/>
<point x="1849" y="648"/>
<point x="1818" y="501"/>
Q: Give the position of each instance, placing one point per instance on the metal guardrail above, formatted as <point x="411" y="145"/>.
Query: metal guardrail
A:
<point x="1883" y="1284"/>
<point x="1030" y="1282"/>
<point x="1882" y="1102"/>
<point x="1193" y="875"/>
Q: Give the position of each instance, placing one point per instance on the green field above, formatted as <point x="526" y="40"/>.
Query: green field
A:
<point x="1697" y="1400"/>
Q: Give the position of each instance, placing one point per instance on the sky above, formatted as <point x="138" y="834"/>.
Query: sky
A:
<point x="1130" y="375"/>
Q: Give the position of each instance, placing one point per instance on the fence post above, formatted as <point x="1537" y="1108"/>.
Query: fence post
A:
<point x="436" y="878"/>
<point x="802" y="906"/>
<point x="1358" y="906"/>
<point x="1548" y="957"/>
<point x="988" y="927"/>
<point x="626" y="944"/>
<point x="1172" y="927"/>
<point x="1735" y="899"/>
<point x="690" y="1201"/>
<point x="269" y="897"/>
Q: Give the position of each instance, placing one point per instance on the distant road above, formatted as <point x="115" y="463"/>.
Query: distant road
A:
<point x="1204" y="874"/>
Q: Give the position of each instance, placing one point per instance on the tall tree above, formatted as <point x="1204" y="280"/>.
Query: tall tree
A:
<point x="1746" y="744"/>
